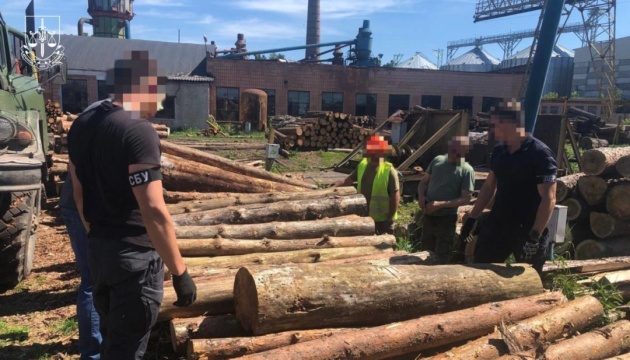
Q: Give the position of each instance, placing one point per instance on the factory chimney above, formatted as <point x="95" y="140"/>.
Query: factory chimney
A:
<point x="313" y="28"/>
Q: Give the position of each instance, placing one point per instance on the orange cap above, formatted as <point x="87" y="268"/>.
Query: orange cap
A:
<point x="377" y="145"/>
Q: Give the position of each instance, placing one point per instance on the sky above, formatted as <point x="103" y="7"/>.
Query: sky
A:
<point x="399" y="26"/>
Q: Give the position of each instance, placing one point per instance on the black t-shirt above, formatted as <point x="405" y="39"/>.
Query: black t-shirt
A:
<point x="102" y="143"/>
<point x="518" y="175"/>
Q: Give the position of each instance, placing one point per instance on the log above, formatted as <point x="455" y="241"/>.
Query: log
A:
<point x="214" y="297"/>
<point x="212" y="349"/>
<point x="605" y="226"/>
<point x="297" y="210"/>
<point x="412" y="336"/>
<point x="222" y="247"/>
<point x="198" y="265"/>
<point x="623" y="166"/>
<point x="229" y="165"/>
<point x="306" y="297"/>
<point x="592" y="189"/>
<point x="577" y="209"/>
<point x="565" y="186"/>
<point x="562" y="321"/>
<point x="618" y="201"/>
<point x="620" y="357"/>
<point x="602" y="161"/>
<point x="294" y="131"/>
<point x="589" y="266"/>
<point x="610" y="340"/>
<point x="181" y="174"/>
<point x="203" y="327"/>
<point x="588" y="143"/>
<point x="595" y="249"/>
<point x="342" y="226"/>
<point x="175" y="197"/>
<point x="398" y="258"/>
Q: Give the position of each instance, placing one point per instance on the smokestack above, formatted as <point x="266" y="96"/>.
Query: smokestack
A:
<point x="313" y="28"/>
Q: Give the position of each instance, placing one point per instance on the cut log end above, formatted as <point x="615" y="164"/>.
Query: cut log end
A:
<point x="247" y="304"/>
<point x="623" y="166"/>
<point x="602" y="224"/>
<point x="593" y="162"/>
<point x="592" y="189"/>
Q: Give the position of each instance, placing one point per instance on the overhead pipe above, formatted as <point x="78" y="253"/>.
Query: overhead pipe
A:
<point x="80" y="25"/>
<point x="234" y="55"/>
<point x="540" y="64"/>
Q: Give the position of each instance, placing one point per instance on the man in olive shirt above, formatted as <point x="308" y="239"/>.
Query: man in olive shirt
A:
<point x="448" y="183"/>
<point x="374" y="174"/>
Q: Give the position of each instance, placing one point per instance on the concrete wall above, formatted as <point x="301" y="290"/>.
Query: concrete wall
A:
<point x="284" y="77"/>
<point x="191" y="104"/>
<point x="585" y="79"/>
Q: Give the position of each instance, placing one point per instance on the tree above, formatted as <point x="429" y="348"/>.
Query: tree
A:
<point x="276" y="56"/>
<point x="260" y="57"/>
<point x="395" y="61"/>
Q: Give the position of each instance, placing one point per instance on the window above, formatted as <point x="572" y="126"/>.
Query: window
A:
<point x="543" y="110"/>
<point x="168" y="108"/>
<point x="102" y="89"/>
<point x="271" y="102"/>
<point x="397" y="102"/>
<point x="487" y="103"/>
<point x="554" y="110"/>
<point x="298" y="103"/>
<point x="332" y="101"/>
<point x="431" y="101"/>
<point x="463" y="103"/>
<point x="74" y="96"/>
<point x="592" y="109"/>
<point x="580" y="107"/>
<point x="366" y="105"/>
<point x="227" y="104"/>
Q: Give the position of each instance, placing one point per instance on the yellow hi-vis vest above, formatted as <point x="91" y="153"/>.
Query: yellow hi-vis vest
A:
<point x="379" y="200"/>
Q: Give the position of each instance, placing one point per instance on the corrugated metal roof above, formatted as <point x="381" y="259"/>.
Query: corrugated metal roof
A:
<point x="90" y="53"/>
<point x="193" y="78"/>
<point x="476" y="56"/>
<point x="418" y="61"/>
<point x="558" y="51"/>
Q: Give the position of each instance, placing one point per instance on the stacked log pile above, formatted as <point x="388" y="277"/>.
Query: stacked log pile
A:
<point x="598" y="202"/>
<point x="325" y="130"/>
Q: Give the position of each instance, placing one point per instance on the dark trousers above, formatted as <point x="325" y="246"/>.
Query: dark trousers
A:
<point x="128" y="290"/>
<point x="438" y="235"/>
<point x="497" y="240"/>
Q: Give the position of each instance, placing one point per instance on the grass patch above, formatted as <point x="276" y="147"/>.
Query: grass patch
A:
<point x="66" y="327"/>
<point x="571" y="156"/>
<point x="407" y="212"/>
<point x="12" y="333"/>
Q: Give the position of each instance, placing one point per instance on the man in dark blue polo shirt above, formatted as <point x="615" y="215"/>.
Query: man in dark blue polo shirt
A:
<point x="522" y="179"/>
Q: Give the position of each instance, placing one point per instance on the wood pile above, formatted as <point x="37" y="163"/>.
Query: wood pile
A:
<point x="323" y="130"/>
<point x="598" y="202"/>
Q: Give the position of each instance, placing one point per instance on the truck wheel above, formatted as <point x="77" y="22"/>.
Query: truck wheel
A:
<point x="19" y="217"/>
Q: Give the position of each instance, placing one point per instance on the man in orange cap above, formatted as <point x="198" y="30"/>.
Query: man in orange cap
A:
<point x="377" y="180"/>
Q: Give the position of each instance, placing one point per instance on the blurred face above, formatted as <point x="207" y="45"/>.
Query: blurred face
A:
<point x="376" y="148"/>
<point x="145" y="98"/>
<point x="458" y="147"/>
<point x="502" y="130"/>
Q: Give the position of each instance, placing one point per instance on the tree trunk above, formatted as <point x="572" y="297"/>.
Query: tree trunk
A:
<point x="395" y="258"/>
<point x="605" y="226"/>
<point x="306" y="297"/>
<point x="413" y="336"/>
<point x="183" y="175"/>
<point x="588" y="143"/>
<point x="298" y="210"/>
<point x="577" y="209"/>
<point x="590" y="266"/>
<point x="198" y="265"/>
<point x="598" y="344"/>
<point x="222" y="247"/>
<point x="214" y="297"/>
<point x="602" y="161"/>
<point x="174" y="197"/>
<point x="228" y="165"/>
<point x="592" y="189"/>
<point x="623" y="166"/>
<point x="203" y="327"/>
<point x="565" y="186"/>
<point x="618" y="201"/>
<point x="342" y="226"/>
<point x="625" y="356"/>
<point x="562" y="321"/>
<point x="595" y="249"/>
<point x="213" y="349"/>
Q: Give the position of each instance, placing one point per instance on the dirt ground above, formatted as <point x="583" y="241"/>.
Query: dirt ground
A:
<point x="38" y="317"/>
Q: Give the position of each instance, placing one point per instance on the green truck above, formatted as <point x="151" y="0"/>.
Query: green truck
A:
<point x="23" y="165"/>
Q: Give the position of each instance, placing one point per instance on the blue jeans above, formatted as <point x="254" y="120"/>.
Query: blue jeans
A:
<point x="89" y="334"/>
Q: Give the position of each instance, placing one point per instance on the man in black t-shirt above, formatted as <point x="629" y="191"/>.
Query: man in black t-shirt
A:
<point x="522" y="179"/>
<point x="114" y="164"/>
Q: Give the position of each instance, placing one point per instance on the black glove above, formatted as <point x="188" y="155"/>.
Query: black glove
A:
<point x="185" y="289"/>
<point x="530" y="248"/>
<point x="465" y="233"/>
